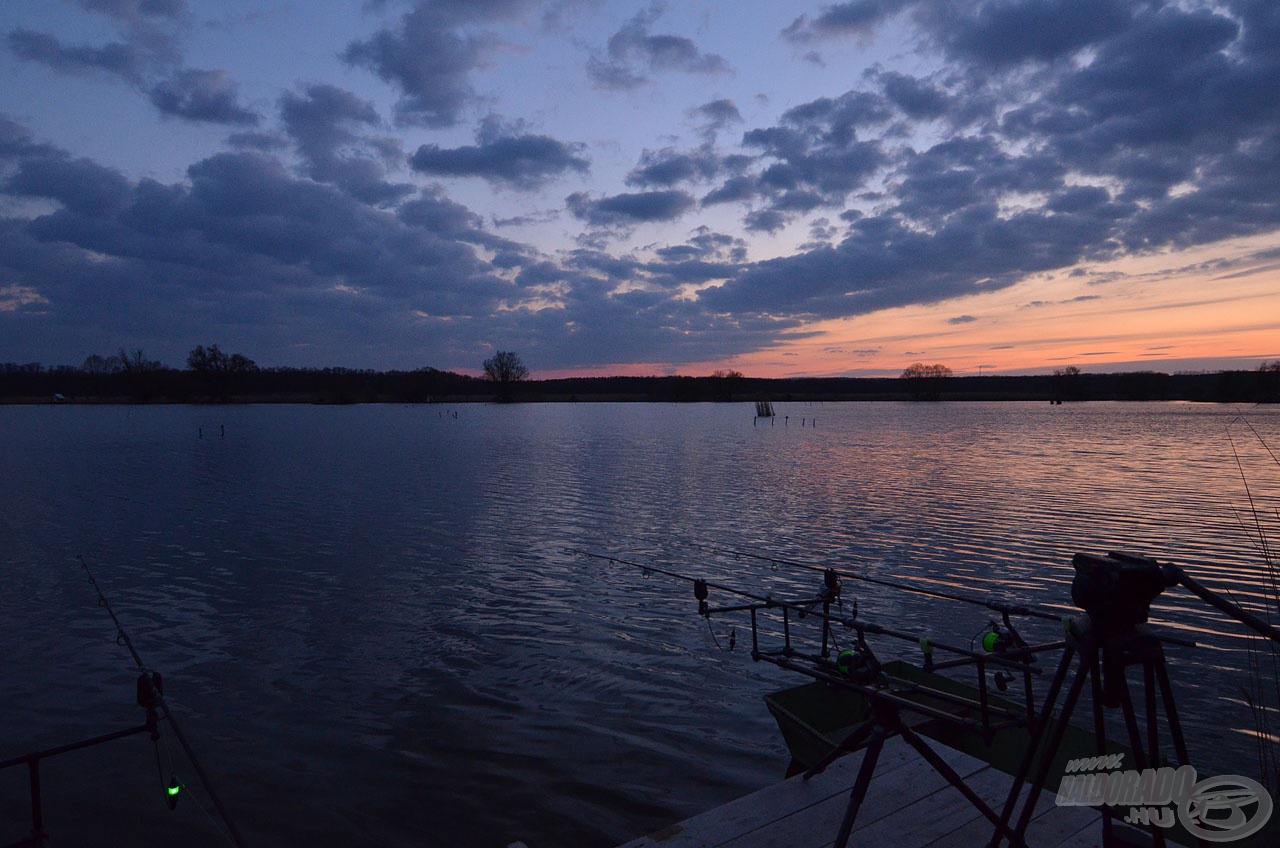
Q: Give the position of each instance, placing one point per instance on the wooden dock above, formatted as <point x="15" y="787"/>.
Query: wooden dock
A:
<point x="909" y="805"/>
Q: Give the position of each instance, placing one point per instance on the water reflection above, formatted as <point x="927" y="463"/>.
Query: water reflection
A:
<point x="370" y="618"/>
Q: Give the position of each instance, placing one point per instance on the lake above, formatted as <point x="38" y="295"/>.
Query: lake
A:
<point x="370" y="627"/>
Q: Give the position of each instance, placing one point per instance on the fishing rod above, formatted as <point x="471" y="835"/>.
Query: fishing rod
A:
<point x="150" y="690"/>
<point x="856" y="668"/>
<point x="994" y="606"/>
<point x="1013" y="658"/>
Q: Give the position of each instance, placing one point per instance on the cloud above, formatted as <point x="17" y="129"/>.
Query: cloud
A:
<point x="812" y="157"/>
<point x="962" y="319"/>
<point x="282" y="263"/>
<point x="633" y="51"/>
<point x="716" y="115"/>
<point x="329" y="125"/>
<point x="80" y="185"/>
<point x="996" y="34"/>
<point x="916" y="98"/>
<point x="859" y="17"/>
<point x="242" y="242"/>
<point x="629" y="208"/>
<point x="147" y="58"/>
<point x="115" y="58"/>
<point x="207" y="96"/>
<point x="1129" y="129"/>
<point x="703" y="244"/>
<point x="430" y="53"/>
<point x="515" y="159"/>
<point x="428" y="61"/>
<point x="669" y="167"/>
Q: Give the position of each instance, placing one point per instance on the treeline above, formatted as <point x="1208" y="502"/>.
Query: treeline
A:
<point x="160" y="384"/>
<point x="151" y="382"/>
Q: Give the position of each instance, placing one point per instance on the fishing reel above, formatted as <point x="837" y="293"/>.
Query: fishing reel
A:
<point x="1000" y="641"/>
<point x="857" y="664"/>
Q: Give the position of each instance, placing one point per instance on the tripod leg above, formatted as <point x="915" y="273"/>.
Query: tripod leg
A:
<point x="1153" y="728"/>
<point x="1171" y="714"/>
<point x="943" y="768"/>
<point x="850" y="743"/>
<point x="1135" y="742"/>
<point x="1131" y="723"/>
<point x="1088" y="665"/>
<point x="859" y="792"/>
<point x="1100" y="739"/>
<point x="1038" y="728"/>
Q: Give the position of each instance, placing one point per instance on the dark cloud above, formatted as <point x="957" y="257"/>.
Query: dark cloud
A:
<point x="717" y="114"/>
<point x="430" y="53"/>
<point x="1135" y="127"/>
<point x="706" y="244"/>
<point x="119" y="59"/>
<point x="962" y="319"/>
<point x="17" y="142"/>
<point x="764" y="221"/>
<point x="428" y="61"/>
<point x="734" y="190"/>
<point x="629" y="208"/>
<point x="1006" y="32"/>
<point x="669" y="167"/>
<point x="812" y="157"/>
<point x="208" y="96"/>
<point x="884" y="263"/>
<point x="858" y="17"/>
<point x="297" y="271"/>
<point x="329" y="127"/>
<point x="80" y="185"/>
<point x="633" y="51"/>
<point x="242" y="242"/>
<point x="511" y="158"/>
<point x="916" y="98"/>
<point x="147" y="58"/>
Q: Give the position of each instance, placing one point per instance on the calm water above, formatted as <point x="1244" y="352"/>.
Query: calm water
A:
<point x="368" y="621"/>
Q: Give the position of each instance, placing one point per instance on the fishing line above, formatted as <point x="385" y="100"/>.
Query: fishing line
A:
<point x="150" y="689"/>
<point x="996" y="606"/>
<point x="805" y="608"/>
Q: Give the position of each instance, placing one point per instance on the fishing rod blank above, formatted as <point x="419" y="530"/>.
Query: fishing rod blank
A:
<point x="150" y="689"/>
<point x="995" y="606"/>
<point x="804" y="608"/>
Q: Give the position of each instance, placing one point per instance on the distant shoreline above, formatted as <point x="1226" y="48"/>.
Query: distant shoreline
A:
<point x="341" y="388"/>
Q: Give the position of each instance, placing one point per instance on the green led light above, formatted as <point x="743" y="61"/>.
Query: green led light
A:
<point x="173" y="789"/>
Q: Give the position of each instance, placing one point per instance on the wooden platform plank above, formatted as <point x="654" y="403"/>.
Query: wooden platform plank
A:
<point x="772" y="802"/>
<point x="1086" y="837"/>
<point x="787" y="811"/>
<point x="908" y="805"/>
<point x="1049" y="824"/>
<point x="897" y="792"/>
<point x="942" y="812"/>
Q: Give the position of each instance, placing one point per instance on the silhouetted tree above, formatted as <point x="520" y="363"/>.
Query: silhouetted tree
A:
<point x="505" y="370"/>
<point x="925" y="381"/>
<point x="726" y="381"/>
<point x="218" y="370"/>
<point x="139" y="373"/>
<point x="1269" y="382"/>
<point x="95" y="364"/>
<point x="1067" y="383"/>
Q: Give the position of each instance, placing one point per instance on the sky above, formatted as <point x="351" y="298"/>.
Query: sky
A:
<point x="784" y="189"/>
